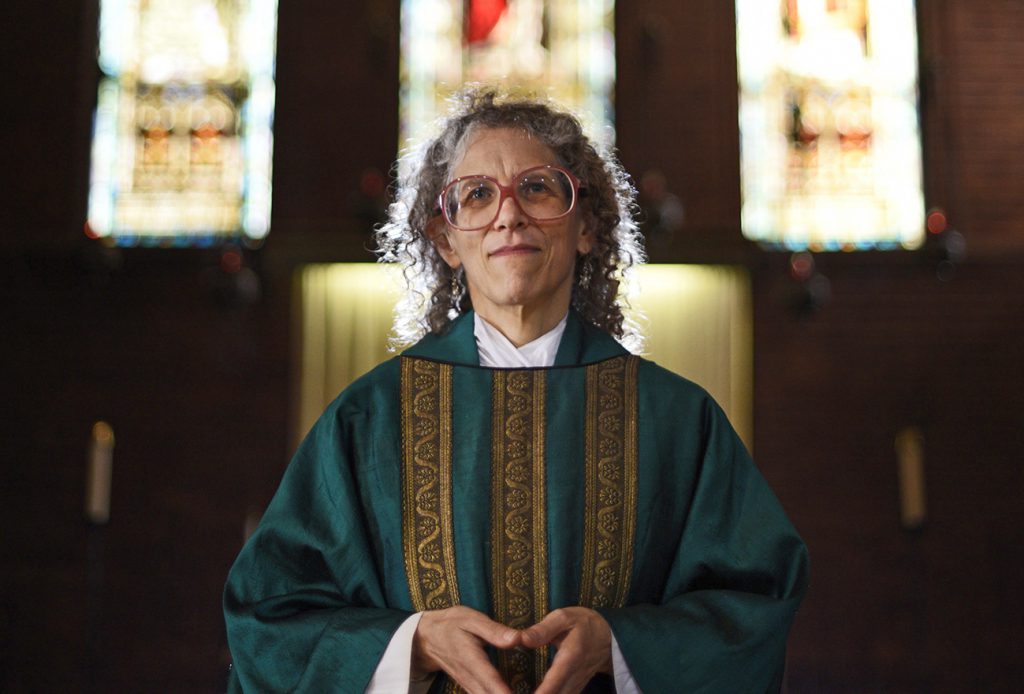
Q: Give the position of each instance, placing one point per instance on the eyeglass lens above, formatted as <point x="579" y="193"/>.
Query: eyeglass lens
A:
<point x="473" y="202"/>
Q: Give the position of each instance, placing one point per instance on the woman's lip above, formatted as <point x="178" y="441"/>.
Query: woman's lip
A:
<point x="515" y="249"/>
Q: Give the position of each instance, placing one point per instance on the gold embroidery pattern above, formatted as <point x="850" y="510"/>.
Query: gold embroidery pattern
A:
<point x="427" y="535"/>
<point x="518" y="519"/>
<point x="610" y="487"/>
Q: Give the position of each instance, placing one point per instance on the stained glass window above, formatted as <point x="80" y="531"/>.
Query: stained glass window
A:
<point x="564" y="49"/>
<point x="830" y="138"/>
<point x="182" y="141"/>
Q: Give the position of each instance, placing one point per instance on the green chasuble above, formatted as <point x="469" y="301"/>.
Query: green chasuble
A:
<point x="604" y="481"/>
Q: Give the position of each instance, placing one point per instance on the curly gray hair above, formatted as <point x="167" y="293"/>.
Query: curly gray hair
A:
<point x="430" y="304"/>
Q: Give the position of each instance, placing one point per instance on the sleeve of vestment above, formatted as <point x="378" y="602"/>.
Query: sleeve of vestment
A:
<point x="738" y="574"/>
<point x="304" y="604"/>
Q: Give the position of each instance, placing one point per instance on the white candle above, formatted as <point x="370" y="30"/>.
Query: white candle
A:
<point x="101" y="467"/>
<point x="910" y="455"/>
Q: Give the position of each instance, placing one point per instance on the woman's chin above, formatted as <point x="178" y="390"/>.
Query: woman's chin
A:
<point x="528" y="296"/>
<point x="527" y="289"/>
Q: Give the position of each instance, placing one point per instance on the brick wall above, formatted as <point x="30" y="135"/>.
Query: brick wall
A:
<point x="198" y="389"/>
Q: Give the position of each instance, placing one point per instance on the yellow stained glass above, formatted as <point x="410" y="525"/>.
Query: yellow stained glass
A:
<point x="182" y="140"/>
<point x="830" y="139"/>
<point x="564" y="49"/>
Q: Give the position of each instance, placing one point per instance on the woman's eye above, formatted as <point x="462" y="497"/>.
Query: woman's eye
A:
<point x="477" y="195"/>
<point x="535" y="187"/>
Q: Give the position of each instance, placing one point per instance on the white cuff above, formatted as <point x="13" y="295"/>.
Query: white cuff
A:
<point x="392" y="673"/>
<point x="624" y="682"/>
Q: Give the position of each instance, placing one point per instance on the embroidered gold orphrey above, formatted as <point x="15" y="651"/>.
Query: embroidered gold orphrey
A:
<point x="518" y="505"/>
<point x="610" y="451"/>
<point x="427" y="535"/>
<point x="519" y="561"/>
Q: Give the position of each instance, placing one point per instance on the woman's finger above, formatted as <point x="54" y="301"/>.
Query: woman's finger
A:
<point x="548" y="630"/>
<point x="453" y="640"/>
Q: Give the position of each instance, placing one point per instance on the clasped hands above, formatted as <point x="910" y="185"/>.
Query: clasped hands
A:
<point x="454" y="640"/>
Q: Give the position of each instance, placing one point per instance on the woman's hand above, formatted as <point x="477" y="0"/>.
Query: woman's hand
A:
<point x="453" y="640"/>
<point x="584" y="642"/>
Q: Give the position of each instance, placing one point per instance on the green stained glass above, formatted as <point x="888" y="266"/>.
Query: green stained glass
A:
<point x="182" y="140"/>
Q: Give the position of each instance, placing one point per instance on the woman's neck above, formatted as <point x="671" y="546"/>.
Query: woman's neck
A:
<point x="520" y="324"/>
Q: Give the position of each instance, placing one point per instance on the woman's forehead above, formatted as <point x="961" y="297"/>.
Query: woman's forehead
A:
<point x="500" y="152"/>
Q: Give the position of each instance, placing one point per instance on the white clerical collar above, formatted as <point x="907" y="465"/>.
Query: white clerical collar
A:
<point x="496" y="350"/>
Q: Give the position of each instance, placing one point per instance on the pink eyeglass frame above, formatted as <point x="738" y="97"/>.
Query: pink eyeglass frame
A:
<point x="509" y="192"/>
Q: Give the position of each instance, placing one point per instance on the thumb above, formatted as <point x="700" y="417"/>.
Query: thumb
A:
<point x="545" y="631"/>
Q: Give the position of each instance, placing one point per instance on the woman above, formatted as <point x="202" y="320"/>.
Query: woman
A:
<point x="516" y="503"/>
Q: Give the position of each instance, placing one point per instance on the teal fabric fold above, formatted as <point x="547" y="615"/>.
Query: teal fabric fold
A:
<point x="723" y="572"/>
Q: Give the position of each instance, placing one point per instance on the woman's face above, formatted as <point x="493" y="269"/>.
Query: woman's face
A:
<point x="516" y="261"/>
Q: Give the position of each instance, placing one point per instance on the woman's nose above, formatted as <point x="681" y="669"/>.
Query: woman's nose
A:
<point x="510" y="214"/>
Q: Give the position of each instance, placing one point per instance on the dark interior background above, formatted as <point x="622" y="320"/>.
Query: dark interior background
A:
<point x="194" y="374"/>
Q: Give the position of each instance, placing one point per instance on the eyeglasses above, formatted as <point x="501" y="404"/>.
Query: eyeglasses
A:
<point x="543" y="193"/>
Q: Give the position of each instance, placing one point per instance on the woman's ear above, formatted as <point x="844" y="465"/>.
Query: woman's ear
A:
<point x="437" y="232"/>
<point x="585" y="241"/>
